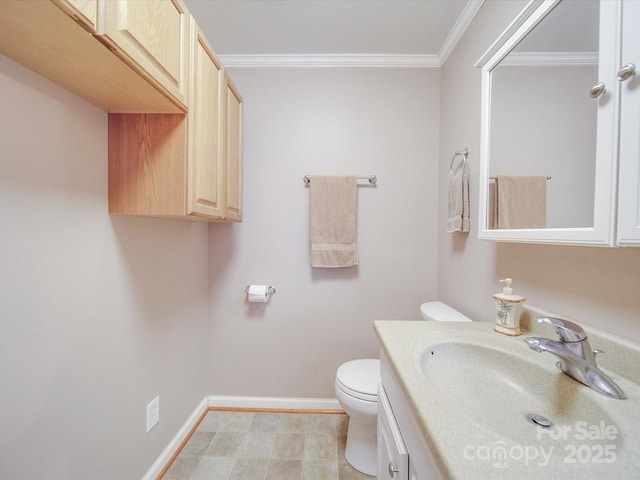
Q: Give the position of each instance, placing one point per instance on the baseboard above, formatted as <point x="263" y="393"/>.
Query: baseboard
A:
<point x="274" y="403"/>
<point x="226" y="401"/>
<point x="175" y="444"/>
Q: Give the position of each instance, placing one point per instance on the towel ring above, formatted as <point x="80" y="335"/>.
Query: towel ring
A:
<point x="464" y="154"/>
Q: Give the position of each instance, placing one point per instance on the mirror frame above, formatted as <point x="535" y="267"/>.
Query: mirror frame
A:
<point x="603" y="230"/>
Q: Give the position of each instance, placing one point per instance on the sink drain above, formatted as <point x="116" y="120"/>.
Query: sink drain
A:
<point x="539" y="420"/>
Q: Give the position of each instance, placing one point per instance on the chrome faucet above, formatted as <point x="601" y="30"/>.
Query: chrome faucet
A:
<point x="577" y="359"/>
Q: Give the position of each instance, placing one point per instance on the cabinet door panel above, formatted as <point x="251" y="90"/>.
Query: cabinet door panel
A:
<point x="629" y="183"/>
<point x="233" y="152"/>
<point x="84" y="12"/>
<point x="152" y="36"/>
<point x="206" y="168"/>
<point x="393" y="458"/>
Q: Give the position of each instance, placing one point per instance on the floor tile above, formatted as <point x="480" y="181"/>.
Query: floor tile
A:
<point x="237" y="422"/>
<point x="265" y="422"/>
<point x="321" y="423"/>
<point x="181" y="468"/>
<point x="257" y="445"/>
<point x="284" y="469"/>
<point x="198" y="443"/>
<point x="289" y="445"/>
<point x="213" y="468"/>
<point x="293" y="423"/>
<point x="225" y="444"/>
<point x="250" y="469"/>
<point x="237" y="445"/>
<point x="321" y="447"/>
<point x="212" y="421"/>
<point x="319" y="470"/>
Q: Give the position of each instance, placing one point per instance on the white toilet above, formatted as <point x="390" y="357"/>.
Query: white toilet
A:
<point x="356" y="389"/>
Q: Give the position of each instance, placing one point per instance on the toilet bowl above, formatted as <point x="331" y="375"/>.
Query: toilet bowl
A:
<point x="356" y="388"/>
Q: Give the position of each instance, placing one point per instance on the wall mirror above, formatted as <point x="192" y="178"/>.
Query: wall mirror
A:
<point x="546" y="175"/>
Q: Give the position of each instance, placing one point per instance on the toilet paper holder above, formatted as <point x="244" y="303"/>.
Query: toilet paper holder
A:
<point x="270" y="290"/>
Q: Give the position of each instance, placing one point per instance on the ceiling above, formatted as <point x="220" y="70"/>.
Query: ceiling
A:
<point x="332" y="27"/>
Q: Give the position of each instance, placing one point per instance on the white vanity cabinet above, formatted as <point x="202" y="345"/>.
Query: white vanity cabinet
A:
<point x="629" y="167"/>
<point x="403" y="452"/>
<point x="393" y="459"/>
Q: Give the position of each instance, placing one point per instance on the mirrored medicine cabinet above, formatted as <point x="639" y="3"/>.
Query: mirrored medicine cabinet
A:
<point x="558" y="126"/>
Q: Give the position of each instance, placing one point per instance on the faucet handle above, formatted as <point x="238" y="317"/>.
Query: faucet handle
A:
<point x="566" y="330"/>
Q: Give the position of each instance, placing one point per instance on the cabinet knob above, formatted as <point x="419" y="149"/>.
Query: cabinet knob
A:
<point x="392" y="470"/>
<point x="598" y="89"/>
<point x="626" y="72"/>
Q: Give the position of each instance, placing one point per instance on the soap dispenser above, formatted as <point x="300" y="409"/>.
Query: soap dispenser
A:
<point x="508" y="307"/>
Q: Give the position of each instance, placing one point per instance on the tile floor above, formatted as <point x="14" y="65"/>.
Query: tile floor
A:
<point x="239" y="445"/>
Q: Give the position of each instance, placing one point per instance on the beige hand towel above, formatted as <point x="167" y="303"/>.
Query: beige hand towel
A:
<point x="458" y="213"/>
<point x="332" y="221"/>
<point x="522" y="201"/>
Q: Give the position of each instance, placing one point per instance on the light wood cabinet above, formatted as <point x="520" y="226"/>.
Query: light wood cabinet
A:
<point x="151" y="36"/>
<point x="233" y="152"/>
<point x="186" y="167"/>
<point x="50" y="37"/>
<point x="206" y="130"/>
<point x="175" y="143"/>
<point x="85" y="12"/>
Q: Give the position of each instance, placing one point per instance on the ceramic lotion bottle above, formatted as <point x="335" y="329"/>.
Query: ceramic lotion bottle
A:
<point x="508" y="307"/>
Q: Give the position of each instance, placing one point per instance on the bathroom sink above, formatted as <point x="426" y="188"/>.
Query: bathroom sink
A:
<point x="516" y="384"/>
<point x="488" y="406"/>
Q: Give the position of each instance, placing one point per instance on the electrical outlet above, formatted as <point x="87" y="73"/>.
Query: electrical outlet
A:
<point x="153" y="413"/>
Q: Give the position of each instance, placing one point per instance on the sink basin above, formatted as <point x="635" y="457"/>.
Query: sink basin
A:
<point x="515" y="384"/>
<point x="482" y="402"/>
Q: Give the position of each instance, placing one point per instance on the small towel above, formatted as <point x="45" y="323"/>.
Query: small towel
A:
<point x="492" y="207"/>
<point x="458" y="215"/>
<point x="332" y="221"/>
<point x="522" y="201"/>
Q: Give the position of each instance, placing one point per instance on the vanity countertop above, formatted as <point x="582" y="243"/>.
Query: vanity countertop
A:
<point x="471" y="439"/>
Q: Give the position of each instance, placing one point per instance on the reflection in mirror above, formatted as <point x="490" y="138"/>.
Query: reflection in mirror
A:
<point x="542" y="135"/>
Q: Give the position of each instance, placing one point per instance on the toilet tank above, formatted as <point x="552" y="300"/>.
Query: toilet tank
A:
<point x="441" y="312"/>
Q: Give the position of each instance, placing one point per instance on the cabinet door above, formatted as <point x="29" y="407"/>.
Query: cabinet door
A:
<point x="206" y="128"/>
<point x="393" y="459"/>
<point x="629" y="179"/>
<point x="152" y="37"/>
<point x="85" y="12"/>
<point x="233" y="152"/>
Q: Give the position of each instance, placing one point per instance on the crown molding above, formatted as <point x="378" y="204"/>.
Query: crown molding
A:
<point x="456" y="33"/>
<point x="330" y="60"/>
<point x="361" y="60"/>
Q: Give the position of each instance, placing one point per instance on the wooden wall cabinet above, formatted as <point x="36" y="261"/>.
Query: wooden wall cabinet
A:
<point x="50" y="37"/>
<point x="175" y="127"/>
<point x="186" y="167"/>
<point x="85" y="12"/>
<point x="151" y="36"/>
<point x="233" y="152"/>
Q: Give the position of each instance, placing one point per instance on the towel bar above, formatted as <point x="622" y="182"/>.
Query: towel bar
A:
<point x="493" y="178"/>
<point x="371" y="178"/>
<point x="464" y="154"/>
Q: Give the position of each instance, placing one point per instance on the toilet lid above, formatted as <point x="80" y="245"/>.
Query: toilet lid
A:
<point x="360" y="378"/>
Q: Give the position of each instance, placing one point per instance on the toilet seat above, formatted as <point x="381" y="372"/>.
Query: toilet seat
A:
<point x="360" y="379"/>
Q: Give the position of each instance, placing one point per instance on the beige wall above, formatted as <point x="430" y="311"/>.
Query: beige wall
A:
<point x="323" y="121"/>
<point x="598" y="286"/>
<point x="98" y="314"/>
